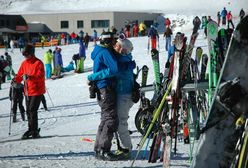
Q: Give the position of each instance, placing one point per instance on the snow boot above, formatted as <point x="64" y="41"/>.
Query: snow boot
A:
<point x="36" y="134"/>
<point x="123" y="154"/>
<point x="106" y="155"/>
<point x="26" y="135"/>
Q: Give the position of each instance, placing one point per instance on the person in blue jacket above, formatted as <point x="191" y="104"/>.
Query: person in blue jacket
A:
<point x="103" y="58"/>
<point x="124" y="87"/>
<point x="223" y="16"/>
<point x="58" y="62"/>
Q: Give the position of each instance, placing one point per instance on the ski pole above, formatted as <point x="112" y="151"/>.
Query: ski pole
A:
<point x="11" y="108"/>
<point x="50" y="97"/>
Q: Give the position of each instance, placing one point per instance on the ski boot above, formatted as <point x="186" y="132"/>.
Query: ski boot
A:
<point x="105" y="155"/>
<point x="123" y="154"/>
<point x="26" y="135"/>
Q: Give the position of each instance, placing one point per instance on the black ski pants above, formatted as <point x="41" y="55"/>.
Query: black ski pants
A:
<point x="32" y="106"/>
<point x="18" y="102"/>
<point x="109" y="120"/>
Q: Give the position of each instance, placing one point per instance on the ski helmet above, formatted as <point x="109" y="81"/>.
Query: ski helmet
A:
<point x="106" y="38"/>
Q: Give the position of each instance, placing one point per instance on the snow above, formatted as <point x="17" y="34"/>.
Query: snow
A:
<point x="72" y="114"/>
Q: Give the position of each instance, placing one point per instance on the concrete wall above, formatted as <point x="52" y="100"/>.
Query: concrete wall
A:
<point x="117" y="19"/>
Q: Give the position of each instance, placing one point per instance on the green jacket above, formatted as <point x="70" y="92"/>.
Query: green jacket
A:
<point x="48" y="57"/>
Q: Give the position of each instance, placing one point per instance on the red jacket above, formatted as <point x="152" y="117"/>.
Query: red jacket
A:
<point x="34" y="68"/>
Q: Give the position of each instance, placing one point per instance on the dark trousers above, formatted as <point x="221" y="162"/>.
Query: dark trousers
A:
<point x="43" y="100"/>
<point x="230" y="22"/>
<point x="32" y="106"/>
<point x="109" y="119"/>
<point x="19" y="103"/>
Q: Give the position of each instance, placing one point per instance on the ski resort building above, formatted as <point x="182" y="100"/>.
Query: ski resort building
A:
<point x="88" y="22"/>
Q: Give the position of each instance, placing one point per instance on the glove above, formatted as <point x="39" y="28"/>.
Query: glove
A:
<point x="25" y="77"/>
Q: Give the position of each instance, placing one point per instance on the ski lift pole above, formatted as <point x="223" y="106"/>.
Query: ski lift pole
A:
<point x="11" y="108"/>
<point x="49" y="97"/>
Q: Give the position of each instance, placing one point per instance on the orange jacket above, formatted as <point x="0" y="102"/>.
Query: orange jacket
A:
<point x="34" y="68"/>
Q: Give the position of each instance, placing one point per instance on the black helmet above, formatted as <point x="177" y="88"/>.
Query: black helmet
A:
<point x="28" y="50"/>
<point x="106" y="38"/>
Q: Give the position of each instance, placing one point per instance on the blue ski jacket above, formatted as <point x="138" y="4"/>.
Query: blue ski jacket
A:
<point x="103" y="59"/>
<point x="82" y="49"/>
<point x="171" y="51"/>
<point x="58" y="59"/>
<point x="124" y="78"/>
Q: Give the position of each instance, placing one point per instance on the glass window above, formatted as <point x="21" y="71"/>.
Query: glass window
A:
<point x="64" y="24"/>
<point x="80" y="24"/>
<point x="99" y="23"/>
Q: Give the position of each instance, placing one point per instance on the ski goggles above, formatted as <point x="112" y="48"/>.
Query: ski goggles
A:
<point x="122" y="36"/>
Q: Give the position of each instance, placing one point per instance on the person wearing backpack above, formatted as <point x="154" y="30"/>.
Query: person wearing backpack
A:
<point x="124" y="89"/>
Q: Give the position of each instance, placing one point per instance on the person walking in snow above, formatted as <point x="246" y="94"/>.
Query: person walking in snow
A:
<point x="106" y="96"/>
<point x="86" y="40"/>
<point x="16" y="95"/>
<point x="124" y="86"/>
<point x="154" y="37"/>
<point x="223" y="16"/>
<point x="167" y="34"/>
<point x="218" y="18"/>
<point x="48" y="57"/>
<point x="12" y="45"/>
<point x="32" y="73"/>
<point x="229" y="20"/>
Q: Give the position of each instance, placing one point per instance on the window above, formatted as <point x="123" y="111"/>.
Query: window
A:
<point x="99" y="23"/>
<point x="2" y="23"/>
<point x="64" y="24"/>
<point x="80" y="24"/>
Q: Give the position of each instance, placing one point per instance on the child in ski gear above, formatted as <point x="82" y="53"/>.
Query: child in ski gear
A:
<point x="106" y="96"/>
<point x="167" y="35"/>
<point x="9" y="60"/>
<point x="32" y="73"/>
<point x="16" y="95"/>
<point x="124" y="87"/>
<point x="153" y="35"/>
<point x="48" y="57"/>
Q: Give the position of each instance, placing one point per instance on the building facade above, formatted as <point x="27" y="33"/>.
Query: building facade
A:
<point x="88" y="22"/>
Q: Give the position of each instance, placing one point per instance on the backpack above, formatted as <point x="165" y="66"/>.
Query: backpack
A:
<point x="136" y="91"/>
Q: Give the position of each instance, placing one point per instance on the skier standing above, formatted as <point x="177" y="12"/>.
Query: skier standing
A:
<point x="16" y="95"/>
<point x="106" y="97"/>
<point x="229" y="20"/>
<point x="58" y="62"/>
<point x="218" y="18"/>
<point x="86" y="40"/>
<point x="33" y="73"/>
<point x="223" y="15"/>
<point x="241" y="14"/>
<point x="82" y="56"/>
<point x="153" y="35"/>
<point x="167" y="35"/>
<point x="48" y="57"/>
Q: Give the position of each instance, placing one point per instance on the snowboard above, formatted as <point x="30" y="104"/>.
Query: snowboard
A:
<point x="219" y="135"/>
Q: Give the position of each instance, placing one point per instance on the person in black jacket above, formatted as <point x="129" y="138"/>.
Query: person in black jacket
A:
<point x="16" y="95"/>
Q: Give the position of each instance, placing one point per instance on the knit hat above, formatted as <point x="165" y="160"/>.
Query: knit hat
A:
<point x="126" y="46"/>
<point x="28" y="50"/>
